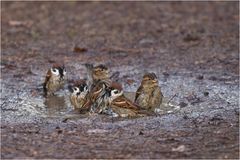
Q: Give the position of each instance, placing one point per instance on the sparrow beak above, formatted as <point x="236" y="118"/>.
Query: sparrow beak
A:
<point x="155" y="81"/>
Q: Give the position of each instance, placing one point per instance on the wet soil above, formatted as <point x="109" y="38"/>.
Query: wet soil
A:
<point x="193" y="47"/>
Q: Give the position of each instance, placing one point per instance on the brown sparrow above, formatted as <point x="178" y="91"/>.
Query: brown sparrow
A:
<point x="149" y="95"/>
<point x="97" y="73"/>
<point x="97" y="95"/>
<point x="54" y="80"/>
<point x="121" y="105"/>
<point x="79" y="96"/>
<point x="98" y="80"/>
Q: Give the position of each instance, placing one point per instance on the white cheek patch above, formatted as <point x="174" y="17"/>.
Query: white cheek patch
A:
<point x="114" y="95"/>
<point x="75" y="92"/>
<point x="55" y="71"/>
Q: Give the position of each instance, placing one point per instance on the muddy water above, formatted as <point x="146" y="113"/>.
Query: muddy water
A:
<point x="23" y="107"/>
<point x="181" y="90"/>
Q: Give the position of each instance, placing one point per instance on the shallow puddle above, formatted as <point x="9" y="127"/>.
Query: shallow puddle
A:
<point x="59" y="106"/>
<point x="24" y="106"/>
<point x="27" y="108"/>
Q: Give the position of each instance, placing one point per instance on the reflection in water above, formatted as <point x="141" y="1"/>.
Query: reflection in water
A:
<point x="55" y="105"/>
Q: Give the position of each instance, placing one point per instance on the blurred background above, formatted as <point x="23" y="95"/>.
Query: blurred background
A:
<point x="165" y="36"/>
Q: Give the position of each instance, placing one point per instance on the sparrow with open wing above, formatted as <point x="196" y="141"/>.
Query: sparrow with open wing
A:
<point x="98" y="80"/>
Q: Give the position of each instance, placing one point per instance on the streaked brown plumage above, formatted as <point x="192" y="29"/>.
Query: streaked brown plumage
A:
<point x="149" y="95"/>
<point x="79" y="96"/>
<point x="122" y="105"/>
<point x="97" y="95"/>
<point x="98" y="80"/>
<point x="55" y="79"/>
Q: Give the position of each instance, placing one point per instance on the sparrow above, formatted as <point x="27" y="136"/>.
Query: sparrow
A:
<point x="79" y="96"/>
<point x="97" y="96"/>
<point x="98" y="80"/>
<point x="55" y="79"/>
<point x="96" y="74"/>
<point x="121" y="105"/>
<point x="149" y="95"/>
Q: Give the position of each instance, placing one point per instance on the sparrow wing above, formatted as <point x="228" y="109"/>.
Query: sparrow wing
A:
<point x="138" y="92"/>
<point x="87" y="104"/>
<point x="46" y="81"/>
<point x="123" y="102"/>
<point x="95" y="91"/>
<point x="156" y="97"/>
<point x="47" y="76"/>
<point x="124" y="112"/>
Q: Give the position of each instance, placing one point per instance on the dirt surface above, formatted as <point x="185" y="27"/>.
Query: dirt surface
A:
<point x="191" y="46"/>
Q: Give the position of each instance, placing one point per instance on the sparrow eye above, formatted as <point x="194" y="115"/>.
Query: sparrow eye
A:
<point x="115" y="92"/>
<point x="75" y="89"/>
<point x="85" y="88"/>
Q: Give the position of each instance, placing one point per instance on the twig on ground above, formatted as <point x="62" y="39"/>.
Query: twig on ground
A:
<point x="171" y="98"/>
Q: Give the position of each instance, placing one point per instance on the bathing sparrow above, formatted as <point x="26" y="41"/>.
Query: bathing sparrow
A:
<point x="97" y="95"/>
<point x="79" y="96"/>
<point x="96" y="74"/>
<point x="121" y="105"/>
<point x="55" y="79"/>
<point x="149" y="95"/>
<point x="98" y="80"/>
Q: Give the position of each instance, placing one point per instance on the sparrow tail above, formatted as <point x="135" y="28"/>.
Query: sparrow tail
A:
<point x="115" y="76"/>
<point x="89" y="73"/>
<point x="146" y="113"/>
<point x="88" y="66"/>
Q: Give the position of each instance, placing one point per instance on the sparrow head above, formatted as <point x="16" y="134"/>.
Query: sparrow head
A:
<point x="100" y="72"/>
<point x="114" y="90"/>
<point x="58" y="71"/>
<point x="150" y="79"/>
<point x="79" y="88"/>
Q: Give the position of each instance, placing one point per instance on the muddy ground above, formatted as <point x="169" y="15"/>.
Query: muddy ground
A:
<point x="192" y="47"/>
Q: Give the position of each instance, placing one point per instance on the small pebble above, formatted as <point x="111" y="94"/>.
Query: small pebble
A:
<point x="140" y="133"/>
<point x="200" y="77"/>
<point x="213" y="78"/>
<point x="182" y="104"/>
<point x="205" y="93"/>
